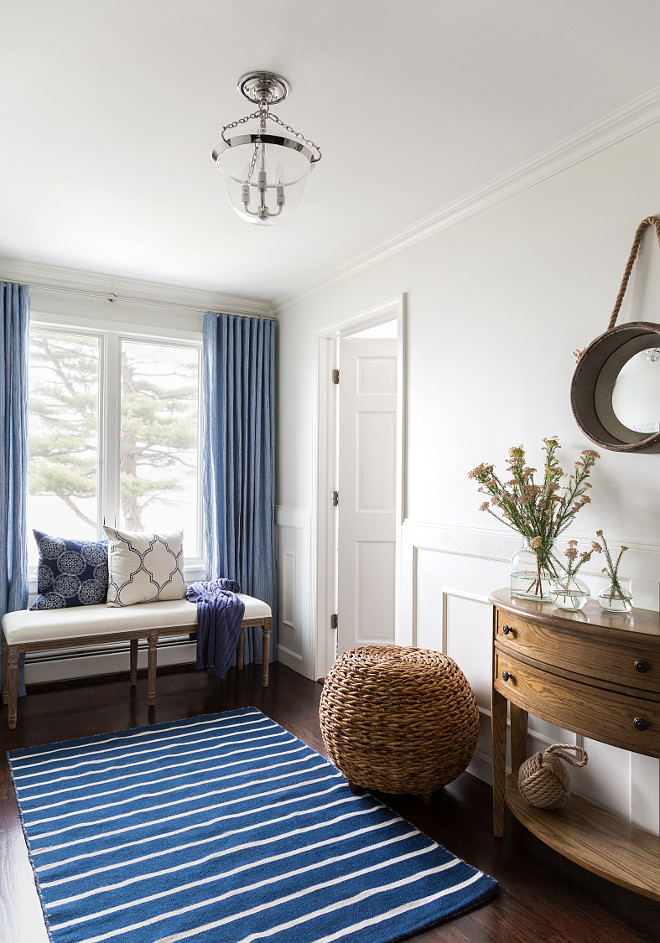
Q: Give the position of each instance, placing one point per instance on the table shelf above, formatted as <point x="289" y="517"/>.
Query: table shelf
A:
<point x="594" y="838"/>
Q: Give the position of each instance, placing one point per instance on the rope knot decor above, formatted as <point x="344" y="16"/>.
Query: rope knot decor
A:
<point x="544" y="781"/>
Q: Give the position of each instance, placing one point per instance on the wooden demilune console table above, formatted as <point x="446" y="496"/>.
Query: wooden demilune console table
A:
<point x="594" y="673"/>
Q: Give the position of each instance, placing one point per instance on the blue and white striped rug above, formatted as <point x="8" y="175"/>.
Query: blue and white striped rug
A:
<point x="225" y="828"/>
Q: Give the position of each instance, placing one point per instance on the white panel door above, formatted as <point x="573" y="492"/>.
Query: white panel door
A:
<point x="367" y="443"/>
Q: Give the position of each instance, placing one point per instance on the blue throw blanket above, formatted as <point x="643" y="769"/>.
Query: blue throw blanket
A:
<point x="219" y="618"/>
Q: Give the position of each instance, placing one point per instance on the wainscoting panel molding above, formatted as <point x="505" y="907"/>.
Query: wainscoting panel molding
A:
<point x="289" y="590"/>
<point x="296" y="640"/>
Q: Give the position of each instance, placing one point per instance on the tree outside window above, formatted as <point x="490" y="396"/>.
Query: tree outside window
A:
<point x="154" y="454"/>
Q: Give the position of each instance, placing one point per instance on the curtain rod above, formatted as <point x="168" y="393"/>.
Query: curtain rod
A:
<point x="113" y="296"/>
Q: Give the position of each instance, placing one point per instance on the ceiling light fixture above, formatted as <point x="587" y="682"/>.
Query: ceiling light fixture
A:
<point x="266" y="169"/>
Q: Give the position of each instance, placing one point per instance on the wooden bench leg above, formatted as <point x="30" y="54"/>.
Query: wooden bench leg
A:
<point x="5" y="691"/>
<point x="265" y="651"/>
<point x="152" y="665"/>
<point x="241" y="648"/>
<point x="134" y="661"/>
<point x="11" y="681"/>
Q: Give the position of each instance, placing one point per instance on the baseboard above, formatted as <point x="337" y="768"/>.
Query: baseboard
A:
<point x="290" y="659"/>
<point x="481" y="767"/>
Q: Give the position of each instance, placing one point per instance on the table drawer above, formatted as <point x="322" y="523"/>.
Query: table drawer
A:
<point x="625" y="660"/>
<point x="594" y="712"/>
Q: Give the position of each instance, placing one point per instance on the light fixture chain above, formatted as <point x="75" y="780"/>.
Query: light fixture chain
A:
<point x="235" y="124"/>
<point x="297" y="134"/>
<point x="253" y="162"/>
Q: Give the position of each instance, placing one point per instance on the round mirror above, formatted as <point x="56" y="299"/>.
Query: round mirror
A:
<point x="636" y="393"/>
<point x="615" y="392"/>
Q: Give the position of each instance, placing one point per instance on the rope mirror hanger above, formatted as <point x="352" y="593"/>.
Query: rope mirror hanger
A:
<point x="601" y="364"/>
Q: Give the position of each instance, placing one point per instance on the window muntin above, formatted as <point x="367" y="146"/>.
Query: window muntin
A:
<point x="114" y="435"/>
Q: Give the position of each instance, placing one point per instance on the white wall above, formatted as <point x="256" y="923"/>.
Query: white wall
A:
<point x="495" y="306"/>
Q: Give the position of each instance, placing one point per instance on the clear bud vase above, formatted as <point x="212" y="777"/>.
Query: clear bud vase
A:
<point x="568" y="592"/>
<point x="533" y="571"/>
<point x="617" y="596"/>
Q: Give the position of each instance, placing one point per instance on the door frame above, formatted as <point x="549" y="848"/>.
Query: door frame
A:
<point x="323" y="538"/>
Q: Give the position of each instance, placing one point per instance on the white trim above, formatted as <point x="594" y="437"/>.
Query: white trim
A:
<point x="486" y="543"/>
<point x="129" y="329"/>
<point x="323" y="565"/>
<point x="645" y="792"/>
<point x="109" y="430"/>
<point x="128" y="290"/>
<point x="290" y="659"/>
<point x="293" y="530"/>
<point x="619" y="125"/>
<point x="445" y="595"/>
<point x="322" y="599"/>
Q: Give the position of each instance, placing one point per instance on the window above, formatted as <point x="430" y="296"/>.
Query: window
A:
<point x="113" y="434"/>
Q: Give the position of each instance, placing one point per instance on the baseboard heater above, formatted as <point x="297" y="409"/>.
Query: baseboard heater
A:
<point x="90" y="660"/>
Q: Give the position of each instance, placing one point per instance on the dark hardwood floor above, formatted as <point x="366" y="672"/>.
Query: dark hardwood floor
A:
<point x="543" y="898"/>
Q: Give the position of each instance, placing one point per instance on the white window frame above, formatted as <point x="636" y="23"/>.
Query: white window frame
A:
<point x="110" y="335"/>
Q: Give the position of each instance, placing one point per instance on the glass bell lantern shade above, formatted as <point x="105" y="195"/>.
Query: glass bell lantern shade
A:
<point x="265" y="174"/>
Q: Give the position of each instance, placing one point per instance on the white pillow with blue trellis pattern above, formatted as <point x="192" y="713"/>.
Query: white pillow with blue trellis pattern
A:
<point x="144" y="567"/>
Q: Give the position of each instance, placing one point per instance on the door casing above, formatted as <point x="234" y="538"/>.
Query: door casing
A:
<point x="324" y="540"/>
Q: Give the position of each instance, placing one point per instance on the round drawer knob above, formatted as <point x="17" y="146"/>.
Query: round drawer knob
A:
<point x="506" y="629"/>
<point x="641" y="665"/>
<point x="506" y="675"/>
<point x="639" y="723"/>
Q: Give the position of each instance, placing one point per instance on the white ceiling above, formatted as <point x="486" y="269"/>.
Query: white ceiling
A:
<point x="109" y="110"/>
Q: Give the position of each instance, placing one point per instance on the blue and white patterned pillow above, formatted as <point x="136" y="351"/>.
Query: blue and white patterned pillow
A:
<point x="70" y="572"/>
<point x="144" y="567"/>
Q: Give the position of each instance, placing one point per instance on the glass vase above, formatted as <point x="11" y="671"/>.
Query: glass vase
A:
<point x="568" y="592"/>
<point x="617" y="596"/>
<point x="533" y="570"/>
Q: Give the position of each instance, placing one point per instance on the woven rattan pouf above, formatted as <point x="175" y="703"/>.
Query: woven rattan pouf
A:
<point x="398" y="720"/>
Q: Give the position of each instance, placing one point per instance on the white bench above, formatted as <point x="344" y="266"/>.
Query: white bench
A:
<point x="42" y="630"/>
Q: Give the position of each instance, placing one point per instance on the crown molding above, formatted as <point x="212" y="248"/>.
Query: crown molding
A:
<point x="636" y="116"/>
<point x="119" y="288"/>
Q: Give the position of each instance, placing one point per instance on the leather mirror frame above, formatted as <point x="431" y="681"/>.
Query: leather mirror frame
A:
<point x="593" y="383"/>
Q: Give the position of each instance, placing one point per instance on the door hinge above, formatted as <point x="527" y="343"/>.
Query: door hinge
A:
<point x="335" y="376"/>
<point x="335" y="499"/>
<point x="334" y="620"/>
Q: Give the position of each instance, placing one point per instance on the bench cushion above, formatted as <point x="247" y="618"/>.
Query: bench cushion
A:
<point x="28" y="626"/>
